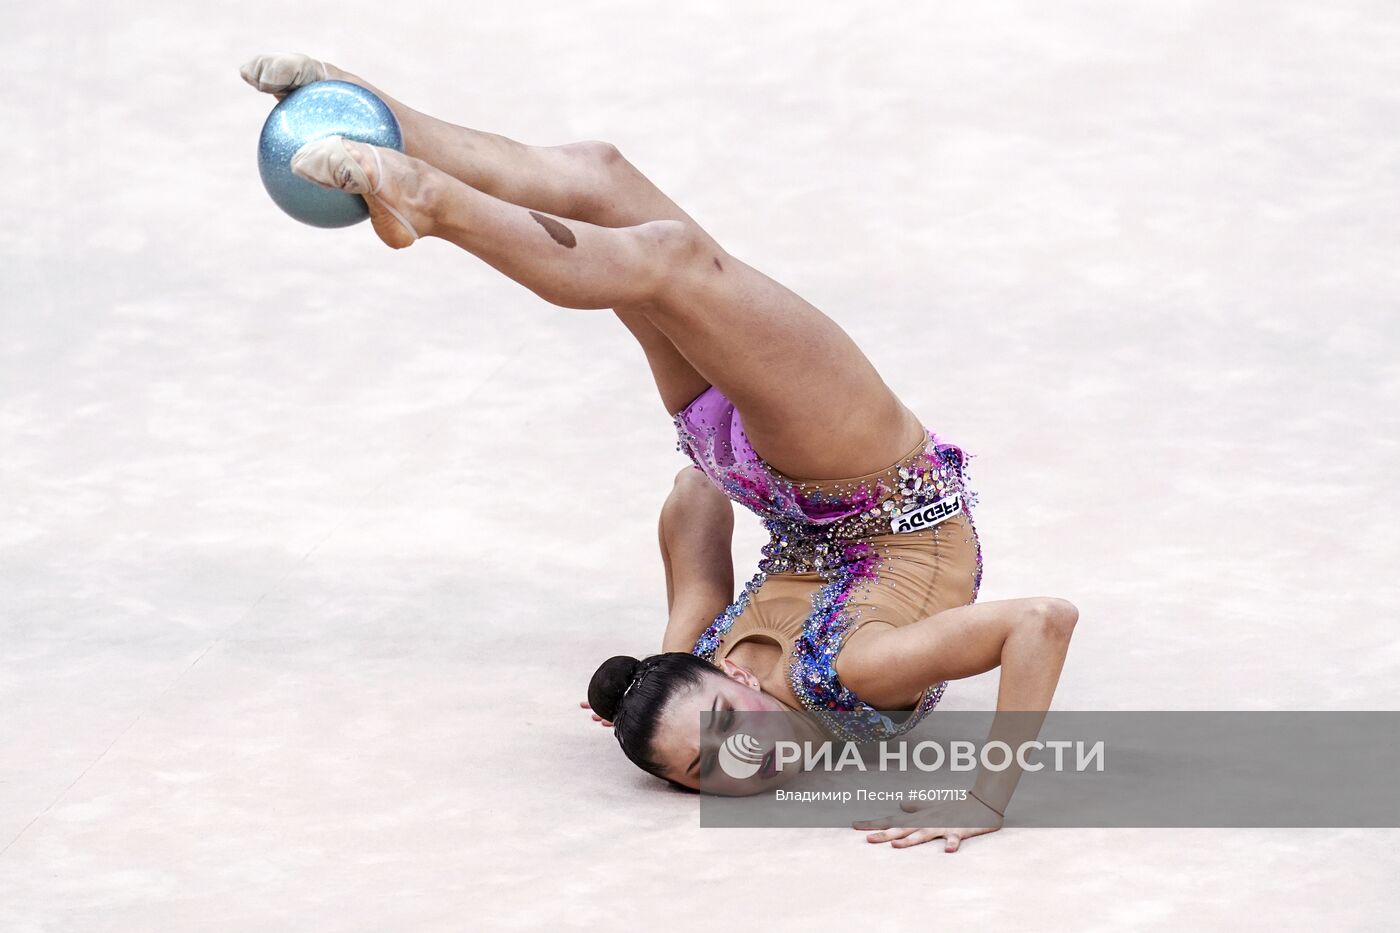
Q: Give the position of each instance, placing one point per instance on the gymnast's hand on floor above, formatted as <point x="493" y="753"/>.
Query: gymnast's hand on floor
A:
<point x="950" y="820"/>
<point x="596" y="717"/>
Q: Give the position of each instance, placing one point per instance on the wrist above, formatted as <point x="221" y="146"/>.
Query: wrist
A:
<point x="1000" y="812"/>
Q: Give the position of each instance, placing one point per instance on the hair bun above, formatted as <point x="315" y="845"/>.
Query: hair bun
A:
<point x="609" y="682"/>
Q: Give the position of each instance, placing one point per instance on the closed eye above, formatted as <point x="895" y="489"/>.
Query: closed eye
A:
<point x="710" y="761"/>
<point x="719" y="724"/>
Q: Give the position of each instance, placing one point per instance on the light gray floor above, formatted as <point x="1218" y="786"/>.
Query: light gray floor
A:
<point x="307" y="549"/>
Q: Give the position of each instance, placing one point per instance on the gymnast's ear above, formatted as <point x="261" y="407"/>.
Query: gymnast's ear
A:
<point x="740" y="673"/>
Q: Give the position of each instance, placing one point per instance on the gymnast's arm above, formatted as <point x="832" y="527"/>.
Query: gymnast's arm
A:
<point x="696" y="534"/>
<point x="1027" y="638"/>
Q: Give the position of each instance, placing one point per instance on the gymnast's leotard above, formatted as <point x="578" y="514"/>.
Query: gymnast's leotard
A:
<point x="892" y="547"/>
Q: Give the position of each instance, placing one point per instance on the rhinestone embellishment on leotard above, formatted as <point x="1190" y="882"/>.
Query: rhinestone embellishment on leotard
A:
<point x="822" y="528"/>
<point x="812" y="667"/>
<point x="812" y="673"/>
<point x="808" y="522"/>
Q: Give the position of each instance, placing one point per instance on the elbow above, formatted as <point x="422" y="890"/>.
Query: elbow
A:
<point x="688" y="479"/>
<point x="692" y="489"/>
<point x="694" y="500"/>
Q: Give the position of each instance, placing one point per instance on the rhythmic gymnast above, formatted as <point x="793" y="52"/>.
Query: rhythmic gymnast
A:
<point x="863" y="604"/>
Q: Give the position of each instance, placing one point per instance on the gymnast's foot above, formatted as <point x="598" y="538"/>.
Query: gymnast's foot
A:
<point x="391" y="183"/>
<point x="280" y="73"/>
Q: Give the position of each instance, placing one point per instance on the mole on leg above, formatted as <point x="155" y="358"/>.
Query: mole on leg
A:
<point x="561" y="234"/>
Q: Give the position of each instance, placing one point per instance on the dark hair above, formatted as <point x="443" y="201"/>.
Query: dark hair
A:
<point x="631" y="694"/>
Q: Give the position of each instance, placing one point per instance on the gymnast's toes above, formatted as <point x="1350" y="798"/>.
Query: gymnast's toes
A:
<point x="281" y="73"/>
<point x="387" y="179"/>
<point x="328" y="163"/>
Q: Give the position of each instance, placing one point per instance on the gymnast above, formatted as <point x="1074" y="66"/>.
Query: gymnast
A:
<point x="863" y="606"/>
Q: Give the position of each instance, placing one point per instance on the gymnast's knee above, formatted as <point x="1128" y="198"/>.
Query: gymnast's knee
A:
<point x="1055" y="617"/>
<point x="674" y="248"/>
<point x="595" y="154"/>
<point x="590" y="181"/>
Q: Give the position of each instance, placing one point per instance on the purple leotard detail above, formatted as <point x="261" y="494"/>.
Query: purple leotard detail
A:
<point x="824" y="528"/>
<point x="712" y="434"/>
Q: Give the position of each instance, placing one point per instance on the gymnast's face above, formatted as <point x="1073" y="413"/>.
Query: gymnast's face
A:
<point x="724" y="695"/>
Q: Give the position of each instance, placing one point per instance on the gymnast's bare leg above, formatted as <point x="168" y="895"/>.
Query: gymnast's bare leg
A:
<point x="581" y="227"/>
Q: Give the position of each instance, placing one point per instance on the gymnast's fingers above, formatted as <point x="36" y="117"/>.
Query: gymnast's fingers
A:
<point x="607" y="724"/>
<point x="916" y="837"/>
